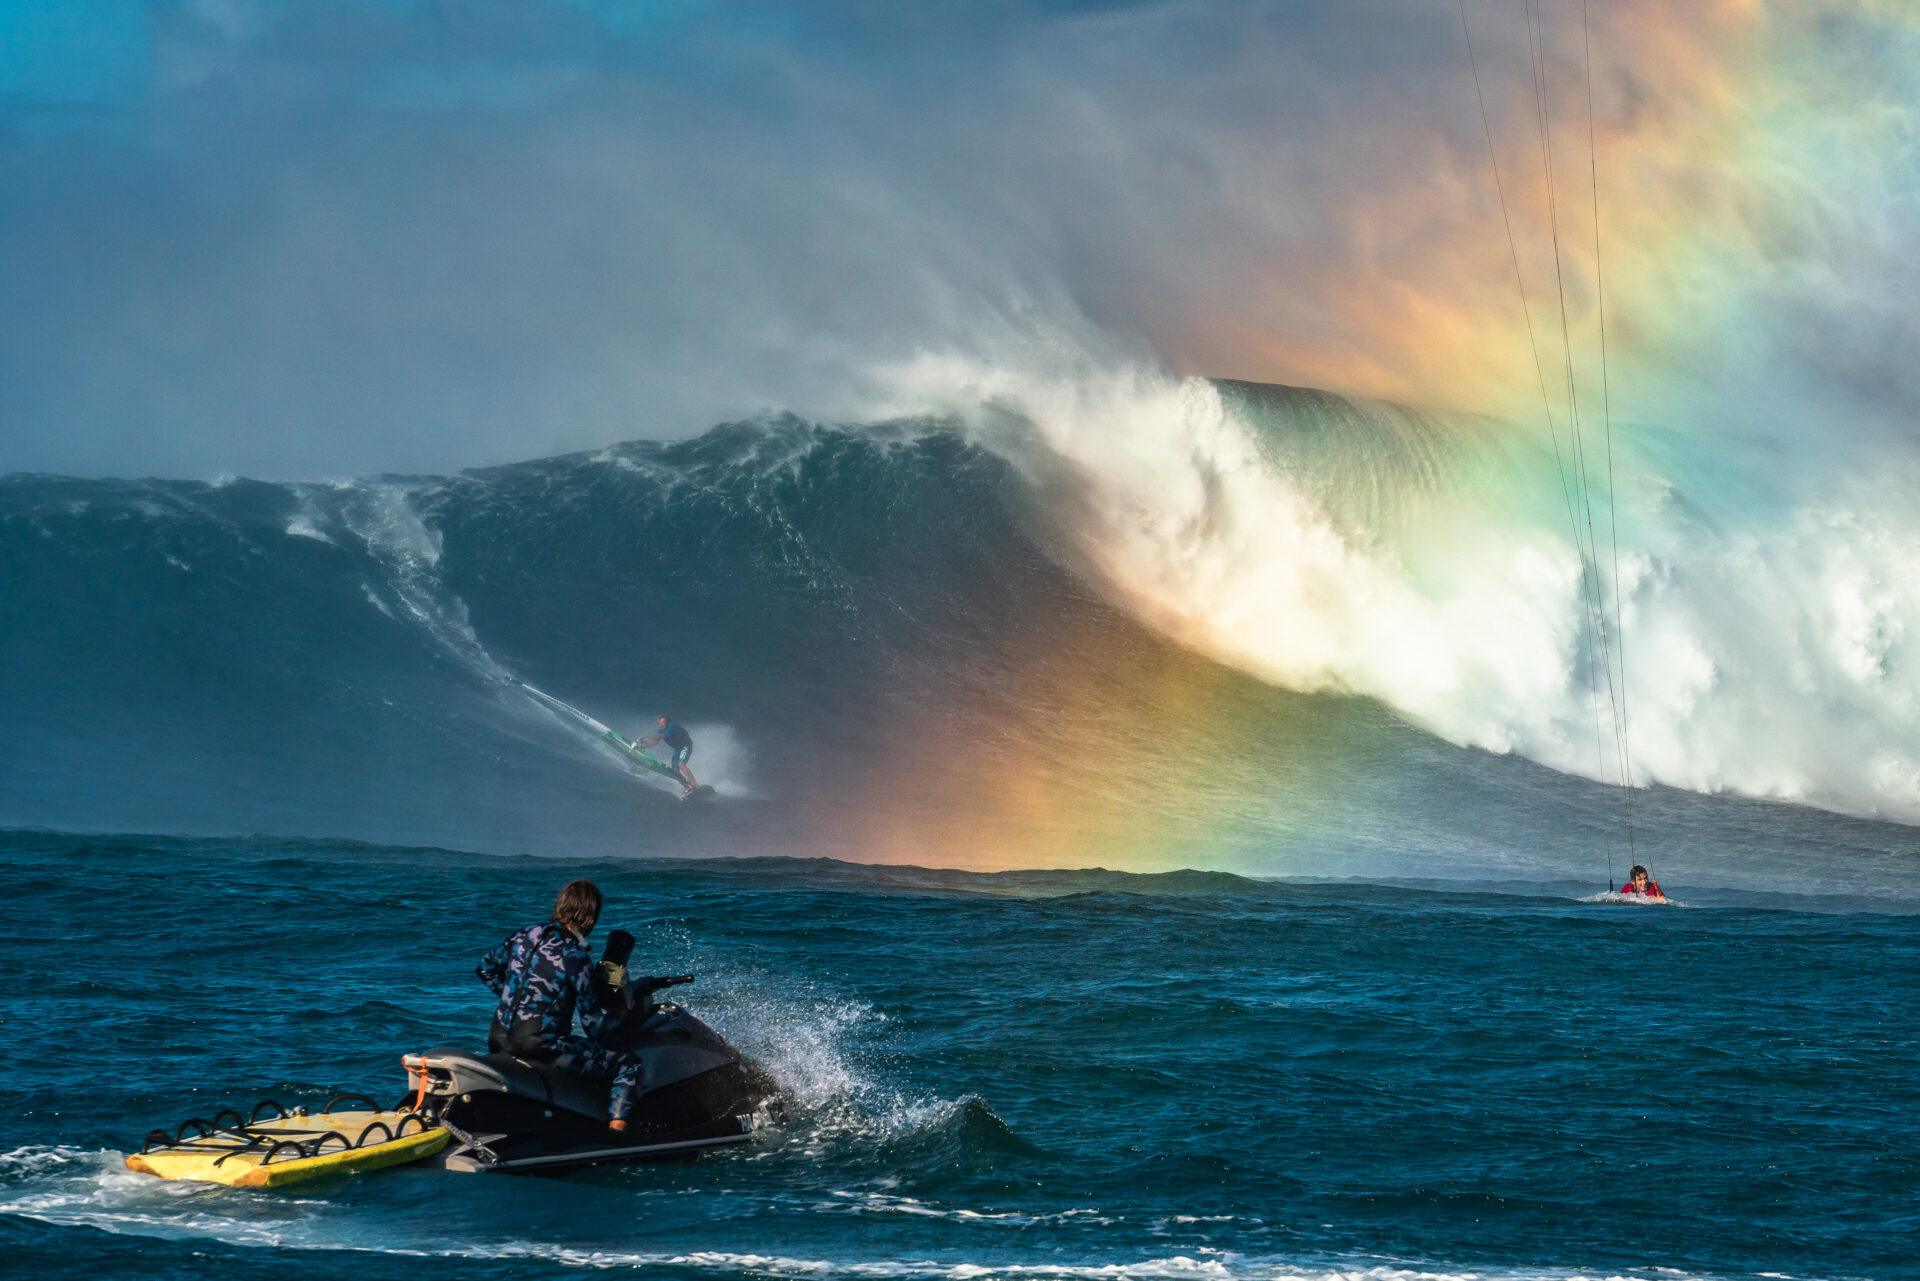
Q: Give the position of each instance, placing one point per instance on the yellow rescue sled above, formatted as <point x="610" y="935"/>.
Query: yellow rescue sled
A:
<point x="274" y="1147"/>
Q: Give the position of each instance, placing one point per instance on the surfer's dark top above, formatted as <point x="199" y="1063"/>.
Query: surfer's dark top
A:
<point x="543" y="977"/>
<point x="676" y="737"/>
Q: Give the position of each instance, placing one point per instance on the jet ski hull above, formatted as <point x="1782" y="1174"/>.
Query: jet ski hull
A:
<point x="509" y="1115"/>
<point x="501" y="1132"/>
<point x="543" y="1151"/>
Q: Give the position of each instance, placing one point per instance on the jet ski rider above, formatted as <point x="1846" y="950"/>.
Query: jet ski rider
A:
<point x="543" y="976"/>
<point x="678" y="742"/>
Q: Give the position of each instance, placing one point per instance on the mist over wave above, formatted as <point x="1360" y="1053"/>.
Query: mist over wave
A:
<point x="1117" y="620"/>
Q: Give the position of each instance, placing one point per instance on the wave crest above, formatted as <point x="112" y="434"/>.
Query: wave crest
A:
<point x="1330" y="544"/>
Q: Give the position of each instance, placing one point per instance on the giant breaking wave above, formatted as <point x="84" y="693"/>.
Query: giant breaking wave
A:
<point x="1040" y="623"/>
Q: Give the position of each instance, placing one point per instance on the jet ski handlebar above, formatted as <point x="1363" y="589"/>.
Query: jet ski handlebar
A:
<point x="638" y="991"/>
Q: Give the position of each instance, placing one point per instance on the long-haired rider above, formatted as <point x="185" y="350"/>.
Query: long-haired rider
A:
<point x="543" y="976"/>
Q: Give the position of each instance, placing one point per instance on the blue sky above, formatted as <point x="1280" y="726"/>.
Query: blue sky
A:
<point x="56" y="58"/>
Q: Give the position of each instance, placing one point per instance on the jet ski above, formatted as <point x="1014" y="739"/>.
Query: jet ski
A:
<point x="512" y="1115"/>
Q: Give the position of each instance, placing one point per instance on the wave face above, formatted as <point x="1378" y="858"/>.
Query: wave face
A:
<point x="1123" y="629"/>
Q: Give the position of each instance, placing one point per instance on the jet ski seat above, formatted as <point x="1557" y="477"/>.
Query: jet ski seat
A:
<point x="559" y="1087"/>
<point x="541" y="1082"/>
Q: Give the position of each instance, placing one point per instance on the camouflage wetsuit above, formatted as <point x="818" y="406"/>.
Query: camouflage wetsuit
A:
<point x="543" y="977"/>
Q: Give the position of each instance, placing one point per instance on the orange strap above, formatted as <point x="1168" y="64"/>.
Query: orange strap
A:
<point x="418" y="1071"/>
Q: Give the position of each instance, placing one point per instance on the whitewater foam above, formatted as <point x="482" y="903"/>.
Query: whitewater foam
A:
<point x="878" y="1202"/>
<point x="1327" y="544"/>
<point x="81" y="1188"/>
<point x="1632" y="900"/>
<point x="304" y="526"/>
<point x="385" y="518"/>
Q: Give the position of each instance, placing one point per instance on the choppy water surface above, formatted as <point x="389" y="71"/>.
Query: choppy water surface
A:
<point x="1024" y="1074"/>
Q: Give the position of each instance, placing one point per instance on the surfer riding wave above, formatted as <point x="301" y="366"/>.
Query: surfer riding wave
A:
<point x="679" y="743"/>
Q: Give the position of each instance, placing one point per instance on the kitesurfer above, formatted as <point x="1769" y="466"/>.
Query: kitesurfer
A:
<point x="544" y="976"/>
<point x="1638" y="882"/>
<point x="680" y="744"/>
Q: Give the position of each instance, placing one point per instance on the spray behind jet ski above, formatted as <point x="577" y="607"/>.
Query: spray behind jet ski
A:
<point x="510" y="1115"/>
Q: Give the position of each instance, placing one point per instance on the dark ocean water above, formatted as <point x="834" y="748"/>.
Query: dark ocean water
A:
<point x="1027" y="1074"/>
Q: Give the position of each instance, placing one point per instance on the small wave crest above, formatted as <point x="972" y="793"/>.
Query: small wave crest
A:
<point x="745" y="1264"/>
<point x="81" y="1187"/>
<point x="1632" y="900"/>
<point x="875" y="1201"/>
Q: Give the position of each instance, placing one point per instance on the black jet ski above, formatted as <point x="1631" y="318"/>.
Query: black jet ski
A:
<point x="512" y="1115"/>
